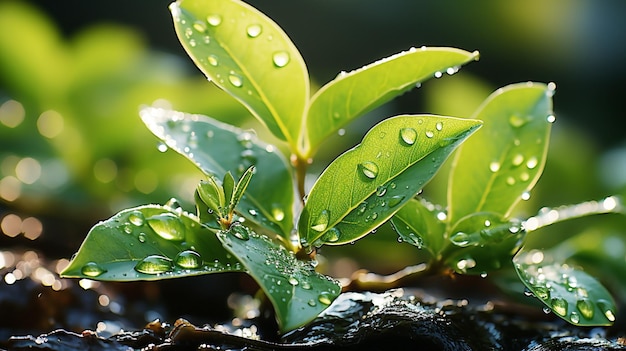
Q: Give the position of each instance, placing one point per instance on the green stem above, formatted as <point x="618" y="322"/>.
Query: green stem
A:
<point x="300" y="166"/>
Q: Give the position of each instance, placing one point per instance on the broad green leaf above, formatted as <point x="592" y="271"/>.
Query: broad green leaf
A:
<point x="421" y="224"/>
<point x="217" y="148"/>
<point x="296" y="290"/>
<point x="150" y="243"/>
<point x="366" y="185"/>
<point x="483" y="242"/>
<point x="504" y="160"/>
<point x="248" y="55"/>
<point x="352" y="94"/>
<point x="570" y="293"/>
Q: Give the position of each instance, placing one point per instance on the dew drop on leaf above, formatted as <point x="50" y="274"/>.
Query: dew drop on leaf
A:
<point x="254" y="30"/>
<point x="542" y="292"/>
<point x="494" y="166"/>
<point x="585" y="307"/>
<point x="154" y="264"/>
<point x="439" y="126"/>
<point x="395" y="200"/>
<point x="214" y="20"/>
<point x="369" y="169"/>
<point x="325" y="298"/>
<point x="559" y="306"/>
<point x="92" y="269"/>
<point x="199" y="26"/>
<point x="235" y="80"/>
<point x="408" y="135"/>
<point x="517" y="160"/>
<point x="168" y="226"/>
<point x="460" y="239"/>
<point x="136" y="218"/>
<point x="312" y="303"/>
<point x="321" y="222"/>
<point x="280" y="58"/>
<point x="604" y="307"/>
<point x="278" y="213"/>
<point x="213" y="60"/>
<point x="240" y="232"/>
<point x="362" y="208"/>
<point x="128" y="229"/>
<point x="293" y="281"/>
<point x="532" y="162"/>
<point x="141" y="237"/>
<point x="574" y="317"/>
<point x="188" y="259"/>
<point x="430" y="134"/>
<point x="332" y="235"/>
<point x="306" y="286"/>
<point x="517" y="121"/>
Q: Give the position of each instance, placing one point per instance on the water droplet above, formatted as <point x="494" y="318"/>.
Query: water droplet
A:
<point x="517" y="160"/>
<point x="281" y="58"/>
<point x="136" y="218"/>
<point x="168" y="226"/>
<point x="362" y="208"/>
<point x="460" y="239"/>
<point x="494" y="166"/>
<point x="214" y="20"/>
<point x="312" y="303"/>
<point x="526" y="195"/>
<point x="574" y="317"/>
<point x="510" y="181"/>
<point x="532" y="162"/>
<point x="605" y="307"/>
<point x="240" y="232"/>
<point x="188" y="259"/>
<point x="92" y="269"/>
<point x="254" y="30"/>
<point x="395" y="200"/>
<point x="174" y="204"/>
<point x="162" y="147"/>
<point x="154" y="264"/>
<point x="306" y="285"/>
<point x="429" y="134"/>
<point x="332" y="235"/>
<point x="542" y="292"/>
<point x="213" y="60"/>
<point x="128" y="228"/>
<point x="408" y="135"/>
<point x="369" y="169"/>
<point x="381" y="190"/>
<point x="585" y="307"/>
<point x="235" y="79"/>
<point x="559" y="306"/>
<point x="439" y="126"/>
<point x="252" y="212"/>
<point x="325" y="298"/>
<point x="438" y="74"/>
<point x="293" y="281"/>
<point x="465" y="264"/>
<point x="321" y="223"/>
<point x="517" y="121"/>
<point x="278" y="213"/>
<point x="551" y="119"/>
<point x="141" y="237"/>
<point x="199" y="26"/>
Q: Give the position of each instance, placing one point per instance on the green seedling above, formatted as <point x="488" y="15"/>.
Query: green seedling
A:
<point x="261" y="226"/>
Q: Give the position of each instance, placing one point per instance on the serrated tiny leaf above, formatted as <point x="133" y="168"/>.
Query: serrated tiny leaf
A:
<point x="504" y="160"/>
<point x="115" y="249"/>
<point x="297" y="292"/>
<point x="352" y="94"/>
<point x="570" y="293"/>
<point x="248" y="55"/>
<point x="366" y="185"/>
<point x="217" y="148"/>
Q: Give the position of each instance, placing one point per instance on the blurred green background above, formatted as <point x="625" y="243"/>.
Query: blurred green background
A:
<point x="73" y="75"/>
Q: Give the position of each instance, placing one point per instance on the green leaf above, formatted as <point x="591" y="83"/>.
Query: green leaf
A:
<point x="228" y="184"/>
<point x="570" y="293"/>
<point x="503" y="161"/>
<point x="212" y="195"/>
<point x="150" y="243"/>
<point x="352" y="94"/>
<point x="483" y="242"/>
<point x="248" y="55"/>
<point x="421" y="224"/>
<point x="297" y="292"/>
<point x="366" y="185"/>
<point x="217" y="148"/>
<point x="241" y="186"/>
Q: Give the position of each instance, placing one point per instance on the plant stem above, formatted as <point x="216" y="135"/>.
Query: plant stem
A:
<point x="300" y="166"/>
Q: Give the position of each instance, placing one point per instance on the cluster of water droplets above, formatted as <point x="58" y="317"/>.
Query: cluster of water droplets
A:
<point x="481" y="230"/>
<point x="550" y="283"/>
<point x="289" y="276"/>
<point x="200" y="32"/>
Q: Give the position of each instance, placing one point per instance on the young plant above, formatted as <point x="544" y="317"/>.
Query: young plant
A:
<point x="259" y="225"/>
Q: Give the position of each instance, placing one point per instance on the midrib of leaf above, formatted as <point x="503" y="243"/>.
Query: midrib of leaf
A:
<point x="492" y="179"/>
<point x="270" y="107"/>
